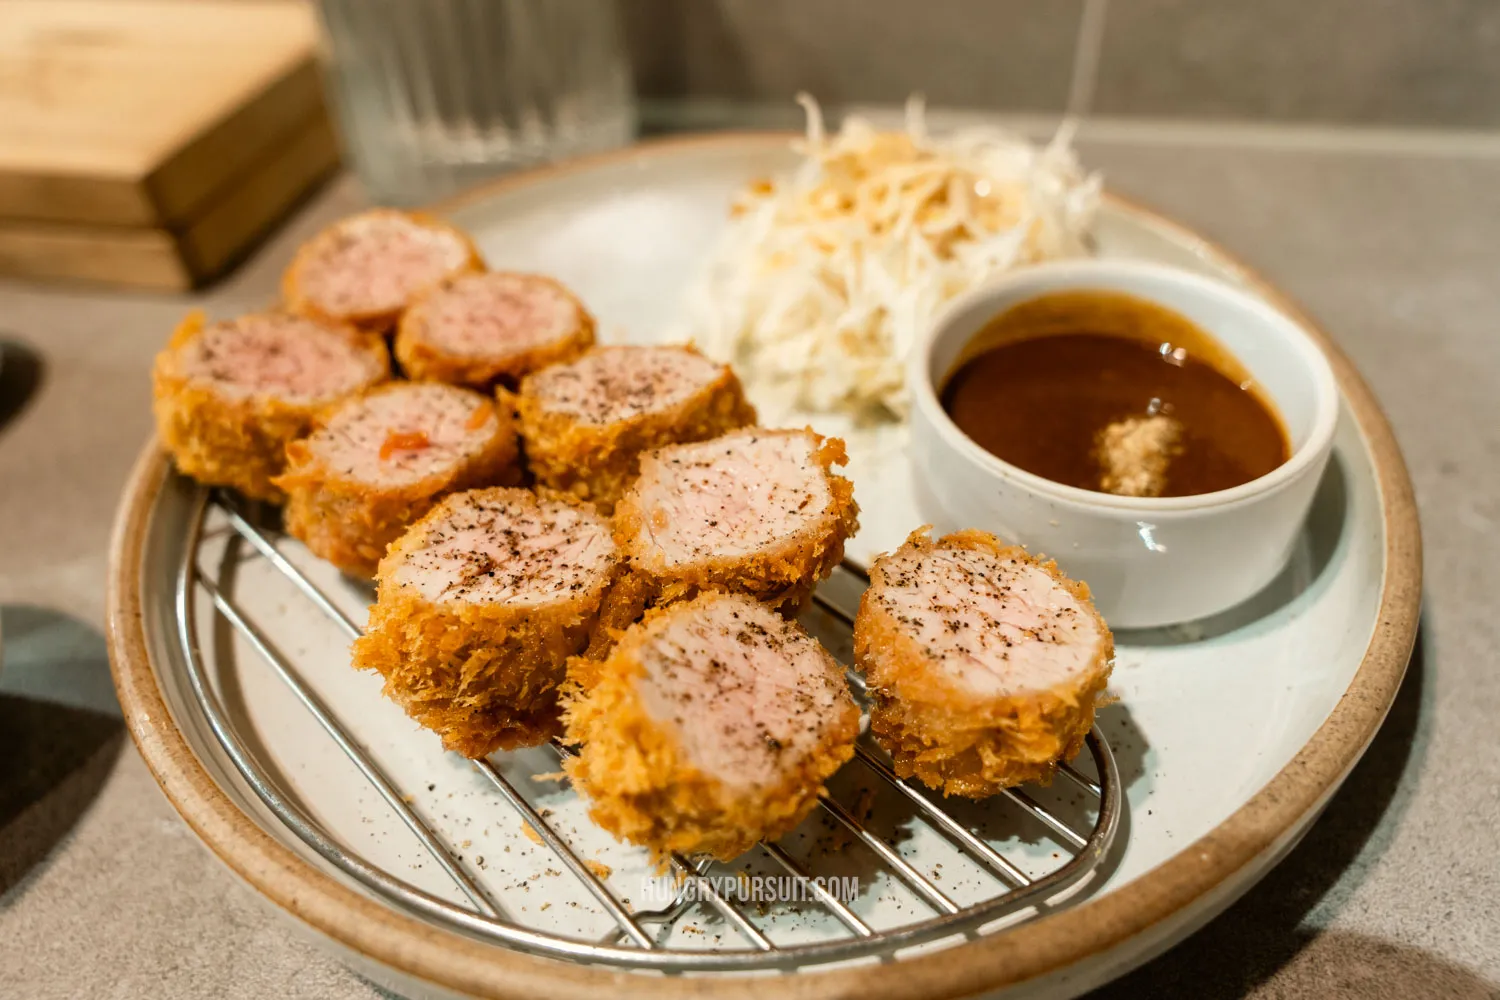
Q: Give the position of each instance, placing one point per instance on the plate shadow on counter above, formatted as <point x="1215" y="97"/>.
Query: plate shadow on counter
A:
<point x="1266" y="930"/>
<point x="60" y="734"/>
<point x="21" y="373"/>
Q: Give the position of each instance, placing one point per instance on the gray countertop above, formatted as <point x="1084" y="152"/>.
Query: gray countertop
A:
<point x="1389" y="239"/>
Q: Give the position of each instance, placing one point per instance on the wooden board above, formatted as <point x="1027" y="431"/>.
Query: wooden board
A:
<point x="164" y="260"/>
<point x="143" y="112"/>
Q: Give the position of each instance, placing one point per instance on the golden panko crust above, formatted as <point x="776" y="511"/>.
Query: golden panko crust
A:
<point x="423" y="361"/>
<point x="484" y="677"/>
<point x="350" y="523"/>
<point x="784" y="576"/>
<point x="596" y="462"/>
<point x="945" y="737"/>
<point x="382" y="321"/>
<point x="232" y="441"/>
<point x="640" y="783"/>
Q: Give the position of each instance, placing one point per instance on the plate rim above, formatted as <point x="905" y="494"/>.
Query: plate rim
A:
<point x="1201" y="874"/>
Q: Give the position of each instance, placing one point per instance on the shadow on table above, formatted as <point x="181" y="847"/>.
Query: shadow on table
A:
<point x="21" y="372"/>
<point x="60" y="732"/>
<point x="1263" y="932"/>
<point x="1342" y="965"/>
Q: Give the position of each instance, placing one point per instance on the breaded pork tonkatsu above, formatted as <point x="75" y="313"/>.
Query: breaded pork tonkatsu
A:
<point x="482" y="329"/>
<point x="381" y="460"/>
<point x="229" y="396"/>
<point x="479" y="606"/>
<point x="366" y="268"/>
<point x="712" y="725"/>
<point x="585" y="423"/>
<point x="641" y="599"/>
<point x="759" y="512"/>
<point x="984" y="663"/>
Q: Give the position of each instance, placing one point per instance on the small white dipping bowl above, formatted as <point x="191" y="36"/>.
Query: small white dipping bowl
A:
<point x="1148" y="560"/>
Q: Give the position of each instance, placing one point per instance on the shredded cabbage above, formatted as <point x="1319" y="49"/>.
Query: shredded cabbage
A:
<point x="826" y="275"/>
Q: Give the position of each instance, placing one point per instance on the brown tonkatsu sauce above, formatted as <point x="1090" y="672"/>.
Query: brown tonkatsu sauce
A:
<point x="1054" y="384"/>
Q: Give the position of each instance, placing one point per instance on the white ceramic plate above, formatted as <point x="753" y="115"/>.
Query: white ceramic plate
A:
<point x="1230" y="733"/>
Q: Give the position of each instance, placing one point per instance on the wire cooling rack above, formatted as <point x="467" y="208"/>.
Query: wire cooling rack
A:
<point x="1013" y="890"/>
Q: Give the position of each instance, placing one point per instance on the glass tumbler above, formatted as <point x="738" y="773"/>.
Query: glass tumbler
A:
<point x="435" y="95"/>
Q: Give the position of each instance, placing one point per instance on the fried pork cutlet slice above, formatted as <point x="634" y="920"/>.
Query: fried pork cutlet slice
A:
<point x="712" y="725"/>
<point x="755" y="511"/>
<point x="381" y="460"/>
<point x="984" y="663"/>
<point x="367" y="268"/>
<point x="229" y="396"/>
<point x="585" y="423"/>
<point x="482" y="329"/>
<point x="479" y="606"/>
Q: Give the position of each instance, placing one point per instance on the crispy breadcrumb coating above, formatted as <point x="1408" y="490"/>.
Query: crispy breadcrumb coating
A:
<point x="938" y="707"/>
<point x="592" y="453"/>
<point x="349" y="519"/>
<point x="476" y="653"/>
<point x="224" y="432"/>
<point x="658" y="774"/>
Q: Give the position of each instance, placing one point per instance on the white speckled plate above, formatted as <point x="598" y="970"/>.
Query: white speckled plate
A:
<point x="1230" y="733"/>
